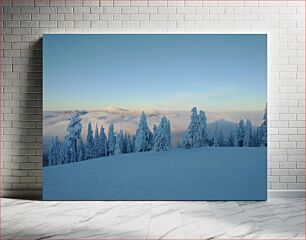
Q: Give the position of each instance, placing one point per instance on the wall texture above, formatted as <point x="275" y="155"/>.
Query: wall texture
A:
<point x="24" y="22"/>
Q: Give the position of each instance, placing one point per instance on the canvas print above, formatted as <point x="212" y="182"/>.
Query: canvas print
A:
<point x="155" y="117"/>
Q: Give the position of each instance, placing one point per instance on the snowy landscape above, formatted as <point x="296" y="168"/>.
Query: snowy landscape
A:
<point x="98" y="143"/>
<point x="155" y="117"/>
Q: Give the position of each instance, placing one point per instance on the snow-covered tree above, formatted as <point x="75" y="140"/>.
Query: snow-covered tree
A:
<point x="129" y="145"/>
<point x="240" y="133"/>
<point x="248" y="134"/>
<point x="195" y="138"/>
<point x="162" y="138"/>
<point x="133" y="142"/>
<point x="197" y="129"/>
<point x="119" y="143"/>
<point x="111" y="140"/>
<point x="203" y="128"/>
<point x="61" y="153"/>
<point x="263" y="129"/>
<point x="66" y="149"/>
<point x="89" y="147"/>
<point x="102" y="143"/>
<point x="168" y="130"/>
<point x="178" y="145"/>
<point x="142" y="143"/>
<point x="186" y="140"/>
<point x="215" y="142"/>
<point x="232" y="138"/>
<point x="221" y="140"/>
<point x="96" y="142"/>
<point x="52" y="153"/>
<point x="58" y="152"/>
<point x="124" y="144"/>
<point x="254" y="141"/>
<point x="74" y="130"/>
<point x="81" y="148"/>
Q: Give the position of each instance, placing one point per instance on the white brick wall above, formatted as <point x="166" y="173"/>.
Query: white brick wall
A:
<point x="24" y="22"/>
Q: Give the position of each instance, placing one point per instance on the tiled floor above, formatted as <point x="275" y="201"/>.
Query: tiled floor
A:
<point x="273" y="219"/>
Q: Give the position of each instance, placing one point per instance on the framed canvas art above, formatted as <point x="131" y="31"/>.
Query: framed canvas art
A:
<point x="155" y="117"/>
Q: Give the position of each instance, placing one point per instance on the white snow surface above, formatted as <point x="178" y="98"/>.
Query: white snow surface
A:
<point x="208" y="173"/>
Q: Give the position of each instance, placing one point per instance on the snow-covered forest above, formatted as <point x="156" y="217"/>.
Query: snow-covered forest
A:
<point x="99" y="144"/>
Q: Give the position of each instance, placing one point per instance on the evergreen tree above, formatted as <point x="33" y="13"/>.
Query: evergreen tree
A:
<point x="221" y="140"/>
<point x="73" y="137"/>
<point x="129" y="147"/>
<point x="61" y="153"/>
<point x="52" y="152"/>
<point x="263" y="130"/>
<point x="203" y="129"/>
<point x="81" y="154"/>
<point x="89" y="147"/>
<point x="154" y="134"/>
<point x="231" y="140"/>
<point x="216" y="138"/>
<point x="195" y="140"/>
<point x="240" y="133"/>
<point x="197" y="129"/>
<point x="119" y="143"/>
<point x="96" y="143"/>
<point x="254" y="141"/>
<point x="154" y="130"/>
<point x="66" y="151"/>
<point x="168" y="130"/>
<point x="111" y="140"/>
<point x="248" y="134"/>
<point x="162" y="138"/>
<point x="57" y="158"/>
<point x="215" y="142"/>
<point x="102" y="143"/>
<point x="142" y="143"/>
<point x="133" y="142"/>
<point x="125" y="140"/>
<point x="186" y="140"/>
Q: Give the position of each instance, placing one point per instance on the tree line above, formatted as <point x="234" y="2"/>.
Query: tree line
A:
<point x="244" y="134"/>
<point x="98" y="144"/>
<point x="73" y="149"/>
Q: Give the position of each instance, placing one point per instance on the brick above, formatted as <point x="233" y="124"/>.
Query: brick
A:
<point x="185" y="9"/>
<point x="75" y="16"/>
<point x="166" y="10"/>
<point x="98" y="24"/>
<point x="296" y="186"/>
<point x="91" y="3"/>
<point x="129" y="10"/>
<point x="47" y="24"/>
<point x="111" y="10"/>
<point x="30" y="24"/>
<point x="63" y="10"/>
<point x="147" y="9"/>
<point x="288" y="179"/>
<point x="82" y="24"/>
<point x="81" y="9"/>
<point x="22" y="16"/>
<point x="44" y="16"/>
<point x="157" y="3"/>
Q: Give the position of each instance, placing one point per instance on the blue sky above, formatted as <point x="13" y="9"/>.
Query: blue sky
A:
<point x="161" y="72"/>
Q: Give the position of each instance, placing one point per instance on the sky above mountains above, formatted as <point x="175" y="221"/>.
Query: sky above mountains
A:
<point x="161" y="72"/>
